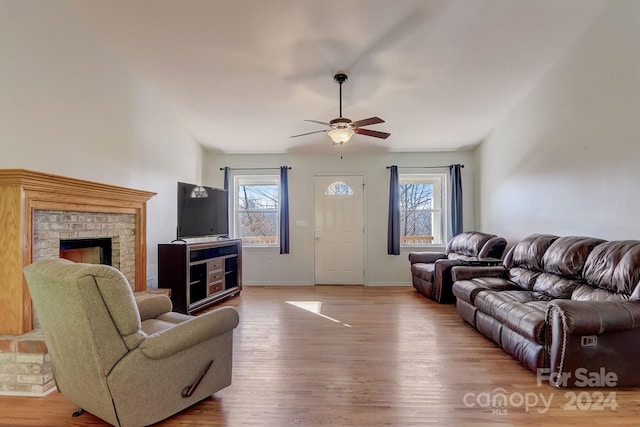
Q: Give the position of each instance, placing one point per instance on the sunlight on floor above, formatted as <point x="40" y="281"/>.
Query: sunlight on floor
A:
<point x="315" y="307"/>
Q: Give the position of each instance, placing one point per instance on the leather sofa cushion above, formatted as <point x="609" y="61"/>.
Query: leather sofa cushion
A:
<point x="529" y="251"/>
<point x="523" y="277"/>
<point x="524" y="260"/>
<point x="589" y="293"/>
<point x="615" y="267"/>
<point x="423" y="271"/>
<point x="567" y="256"/>
<point x="563" y="264"/>
<point x="555" y="286"/>
<point x="521" y="311"/>
<point x="467" y="290"/>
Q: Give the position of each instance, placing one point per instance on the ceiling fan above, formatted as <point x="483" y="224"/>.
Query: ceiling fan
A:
<point x="341" y="129"/>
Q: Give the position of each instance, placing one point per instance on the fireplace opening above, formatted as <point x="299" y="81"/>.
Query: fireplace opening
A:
<point x="90" y="251"/>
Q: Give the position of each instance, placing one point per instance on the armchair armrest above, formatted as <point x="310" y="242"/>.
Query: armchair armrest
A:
<point x="589" y="339"/>
<point x="190" y="332"/>
<point x="425" y="257"/>
<point x="151" y="306"/>
<point x="442" y="282"/>
<point x="467" y="272"/>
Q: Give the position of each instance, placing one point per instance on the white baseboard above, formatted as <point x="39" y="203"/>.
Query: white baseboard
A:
<point x="277" y="284"/>
<point x="388" y="284"/>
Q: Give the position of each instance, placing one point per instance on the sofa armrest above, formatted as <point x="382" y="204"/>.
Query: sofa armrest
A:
<point x="189" y="333"/>
<point x="590" y="340"/>
<point x="151" y="306"/>
<point x="596" y="317"/>
<point x="468" y="272"/>
<point x="425" y="257"/>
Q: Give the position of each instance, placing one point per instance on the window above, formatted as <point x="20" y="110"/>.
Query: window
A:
<point x="422" y="215"/>
<point x="256" y="202"/>
<point x="338" y="188"/>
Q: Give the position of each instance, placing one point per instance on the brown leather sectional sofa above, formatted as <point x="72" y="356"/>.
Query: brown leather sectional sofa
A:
<point x="431" y="271"/>
<point x="567" y="308"/>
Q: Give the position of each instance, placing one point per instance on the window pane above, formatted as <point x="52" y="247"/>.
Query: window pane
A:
<point x="416" y="196"/>
<point x="260" y="228"/>
<point x="252" y="196"/>
<point x="417" y="228"/>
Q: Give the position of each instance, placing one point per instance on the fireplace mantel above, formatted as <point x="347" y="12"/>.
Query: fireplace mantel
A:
<point x="21" y="193"/>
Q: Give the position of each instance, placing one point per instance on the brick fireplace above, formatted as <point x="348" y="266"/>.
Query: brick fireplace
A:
<point x="37" y="211"/>
<point x="52" y="228"/>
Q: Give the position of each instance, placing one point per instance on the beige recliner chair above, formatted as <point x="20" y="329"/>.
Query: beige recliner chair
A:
<point x="131" y="363"/>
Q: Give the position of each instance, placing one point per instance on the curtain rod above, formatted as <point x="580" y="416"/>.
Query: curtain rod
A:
<point x="253" y="169"/>
<point x="424" y="167"/>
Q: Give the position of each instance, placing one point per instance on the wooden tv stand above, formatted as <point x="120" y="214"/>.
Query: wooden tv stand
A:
<point x="200" y="274"/>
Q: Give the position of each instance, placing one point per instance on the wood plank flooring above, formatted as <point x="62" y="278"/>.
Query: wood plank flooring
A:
<point x="362" y="356"/>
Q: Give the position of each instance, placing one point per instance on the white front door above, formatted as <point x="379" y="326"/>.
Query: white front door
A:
<point x="339" y="230"/>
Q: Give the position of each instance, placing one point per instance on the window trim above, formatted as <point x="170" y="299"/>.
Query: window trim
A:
<point x="435" y="178"/>
<point x="237" y="181"/>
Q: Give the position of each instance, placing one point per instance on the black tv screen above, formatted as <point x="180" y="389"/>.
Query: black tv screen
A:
<point x="202" y="211"/>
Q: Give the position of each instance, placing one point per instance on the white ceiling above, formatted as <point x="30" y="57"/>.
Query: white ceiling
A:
<point x="242" y="75"/>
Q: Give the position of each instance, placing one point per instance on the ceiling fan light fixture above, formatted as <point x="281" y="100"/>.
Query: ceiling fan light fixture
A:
<point x="341" y="135"/>
<point x="342" y="128"/>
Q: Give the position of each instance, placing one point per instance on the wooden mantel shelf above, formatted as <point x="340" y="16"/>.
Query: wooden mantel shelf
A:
<point x="24" y="191"/>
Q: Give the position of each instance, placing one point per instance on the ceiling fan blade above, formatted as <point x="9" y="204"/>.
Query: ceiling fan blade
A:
<point x="316" y="121"/>
<point x="308" y="133"/>
<point x="374" y="133"/>
<point x="367" y="122"/>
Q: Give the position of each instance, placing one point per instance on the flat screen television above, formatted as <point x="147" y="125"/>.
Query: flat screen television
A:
<point x="202" y="211"/>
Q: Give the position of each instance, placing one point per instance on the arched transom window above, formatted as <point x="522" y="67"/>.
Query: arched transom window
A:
<point x="338" y="188"/>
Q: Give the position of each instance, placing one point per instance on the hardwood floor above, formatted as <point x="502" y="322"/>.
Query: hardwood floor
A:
<point x="362" y="356"/>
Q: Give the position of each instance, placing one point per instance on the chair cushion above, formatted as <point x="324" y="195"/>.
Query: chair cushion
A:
<point x="468" y="243"/>
<point x="152" y="326"/>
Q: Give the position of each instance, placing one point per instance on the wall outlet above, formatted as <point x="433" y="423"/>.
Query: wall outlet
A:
<point x="302" y="223"/>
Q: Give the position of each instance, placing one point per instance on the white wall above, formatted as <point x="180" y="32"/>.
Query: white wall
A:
<point x="267" y="266"/>
<point x="565" y="160"/>
<point x="69" y="106"/>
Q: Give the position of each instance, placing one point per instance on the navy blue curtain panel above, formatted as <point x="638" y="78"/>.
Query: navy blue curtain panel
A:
<point x="455" y="175"/>
<point x="393" y="236"/>
<point x="227" y="177"/>
<point x="284" y="210"/>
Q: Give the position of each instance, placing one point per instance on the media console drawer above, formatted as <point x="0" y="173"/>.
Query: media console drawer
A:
<point x="215" y="288"/>
<point x="215" y="264"/>
<point x="215" y="276"/>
